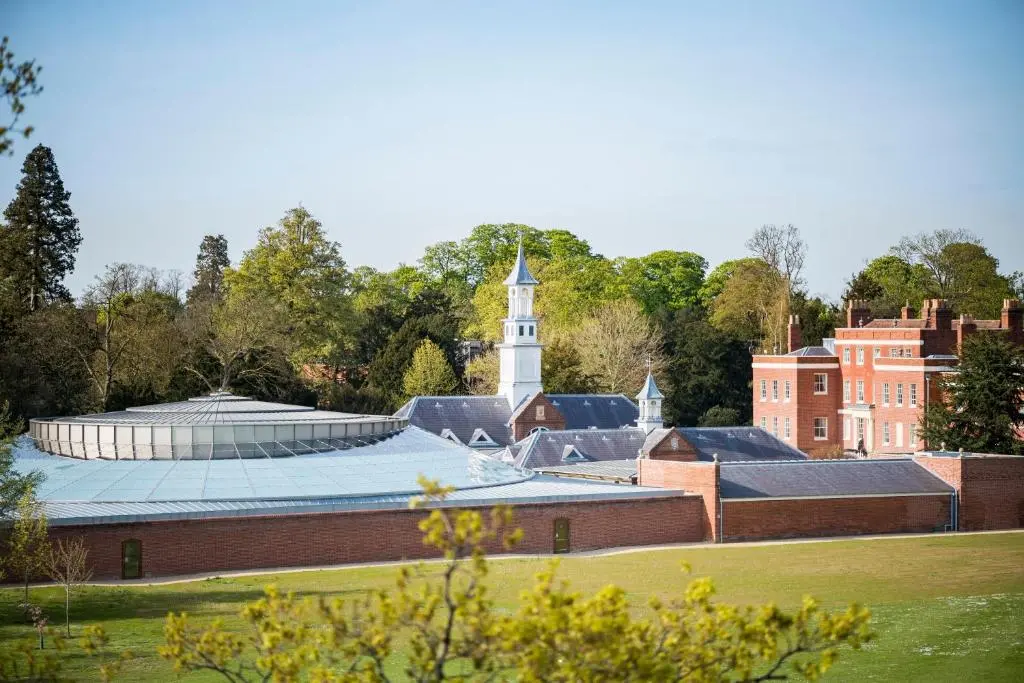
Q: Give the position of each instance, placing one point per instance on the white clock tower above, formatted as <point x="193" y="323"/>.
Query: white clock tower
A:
<point x="520" y="353"/>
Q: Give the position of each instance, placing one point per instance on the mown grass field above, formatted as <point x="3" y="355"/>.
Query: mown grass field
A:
<point x="946" y="608"/>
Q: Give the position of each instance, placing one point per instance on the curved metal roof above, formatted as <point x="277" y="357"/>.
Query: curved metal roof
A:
<point x="218" y="408"/>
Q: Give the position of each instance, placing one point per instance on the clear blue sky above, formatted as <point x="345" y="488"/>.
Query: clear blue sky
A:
<point x="639" y="126"/>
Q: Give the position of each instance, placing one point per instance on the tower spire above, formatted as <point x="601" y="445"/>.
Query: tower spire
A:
<point x="519" y="374"/>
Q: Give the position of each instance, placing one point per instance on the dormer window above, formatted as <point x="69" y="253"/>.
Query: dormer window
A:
<point x="448" y="434"/>
<point x="571" y="454"/>
<point x="481" y="438"/>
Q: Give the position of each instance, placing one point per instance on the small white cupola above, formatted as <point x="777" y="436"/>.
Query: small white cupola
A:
<point x="650" y="405"/>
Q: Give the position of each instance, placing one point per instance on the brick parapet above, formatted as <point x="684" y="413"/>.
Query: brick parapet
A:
<point x="990" y="488"/>
<point x="702" y="478"/>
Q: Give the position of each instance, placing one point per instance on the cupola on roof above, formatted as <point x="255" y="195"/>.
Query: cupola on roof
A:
<point x="650" y="389"/>
<point x="520" y="274"/>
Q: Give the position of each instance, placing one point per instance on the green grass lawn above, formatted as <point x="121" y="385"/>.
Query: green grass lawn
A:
<point x="945" y="608"/>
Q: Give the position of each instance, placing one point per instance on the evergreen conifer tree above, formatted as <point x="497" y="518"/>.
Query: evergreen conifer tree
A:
<point x="39" y="242"/>
<point x="209" y="273"/>
<point x="984" y="406"/>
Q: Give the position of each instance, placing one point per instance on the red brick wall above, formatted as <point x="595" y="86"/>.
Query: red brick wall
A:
<point x="695" y="477"/>
<point x="527" y="420"/>
<point x="803" y="405"/>
<point x="192" y="546"/>
<point x="990" y="489"/>
<point x="763" y="519"/>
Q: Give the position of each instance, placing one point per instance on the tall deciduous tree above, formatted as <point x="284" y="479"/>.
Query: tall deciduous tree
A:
<point x="208" y="276"/>
<point x="615" y="345"/>
<point x="295" y="267"/>
<point x="664" y="280"/>
<point x="927" y="249"/>
<point x="983" y="410"/>
<point x="39" y="242"/>
<point x="429" y="374"/>
<point x="387" y="371"/>
<point x="754" y="305"/>
<point x="782" y="248"/>
<point x="18" y="80"/>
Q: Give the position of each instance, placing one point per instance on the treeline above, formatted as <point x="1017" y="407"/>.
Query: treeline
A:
<point x="293" y="322"/>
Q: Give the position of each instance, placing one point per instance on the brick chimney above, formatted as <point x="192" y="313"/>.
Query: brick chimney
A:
<point x="793" y="341"/>
<point x="967" y="326"/>
<point x="940" y="315"/>
<point x="907" y="312"/>
<point x="858" y="313"/>
<point x="1012" y="316"/>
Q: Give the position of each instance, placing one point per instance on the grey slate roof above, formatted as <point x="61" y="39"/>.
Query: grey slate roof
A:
<point x="825" y="478"/>
<point x="737" y="444"/>
<point x="520" y="274"/>
<point x="611" y="470"/>
<point x="601" y="411"/>
<point x="463" y="415"/>
<point x="812" y="351"/>
<point x="650" y="389"/>
<point x="546" y="449"/>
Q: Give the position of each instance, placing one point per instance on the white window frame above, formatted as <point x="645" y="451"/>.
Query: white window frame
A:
<point x="885" y="434"/>
<point x="885" y="394"/>
<point x="913" y="394"/>
<point x="877" y="353"/>
<point x="786" y="393"/>
<point x="899" y="395"/>
<point x="824" y="384"/>
<point x="912" y="438"/>
<point x="764" y="423"/>
<point x="846" y="355"/>
<point x="860" y="355"/>
<point x="860" y="391"/>
<point x="764" y="390"/>
<point x="824" y="428"/>
<point x="899" y="435"/>
<point x="786" y="429"/>
<point x="775" y="426"/>
<point x="775" y="391"/>
<point x="846" y="391"/>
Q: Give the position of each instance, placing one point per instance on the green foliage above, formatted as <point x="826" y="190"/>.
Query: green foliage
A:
<point x="664" y="280"/>
<point x="753" y="305"/>
<point x="984" y="407"/>
<point x="208" y="275"/>
<point x="297" y="271"/>
<point x="27" y="544"/>
<point x="707" y="368"/>
<point x="615" y="345"/>
<point x="562" y="369"/>
<point x="974" y="284"/>
<point x="24" y="660"/>
<point x="17" y="81"/>
<point x="14" y="486"/>
<point x="429" y="374"/>
<point x="720" y="416"/>
<point x="39" y="242"/>
<point x="387" y="371"/>
<point x="454" y="631"/>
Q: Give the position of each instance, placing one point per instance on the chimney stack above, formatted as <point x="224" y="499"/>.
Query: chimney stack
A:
<point x="966" y="327"/>
<point x="1012" y="316"/>
<point x="907" y="312"/>
<point x="793" y="340"/>
<point x="858" y="313"/>
<point x="940" y="315"/>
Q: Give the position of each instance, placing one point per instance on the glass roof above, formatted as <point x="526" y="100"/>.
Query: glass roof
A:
<point x="390" y="466"/>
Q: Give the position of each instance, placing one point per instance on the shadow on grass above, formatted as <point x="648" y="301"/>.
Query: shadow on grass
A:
<point x="97" y="604"/>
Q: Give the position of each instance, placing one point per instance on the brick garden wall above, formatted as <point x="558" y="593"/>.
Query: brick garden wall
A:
<point x="193" y="546"/>
<point x="763" y="519"/>
<point x="990" y="489"/>
<point x="695" y="477"/>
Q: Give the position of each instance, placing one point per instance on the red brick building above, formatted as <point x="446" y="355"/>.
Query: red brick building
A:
<point x="867" y="388"/>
